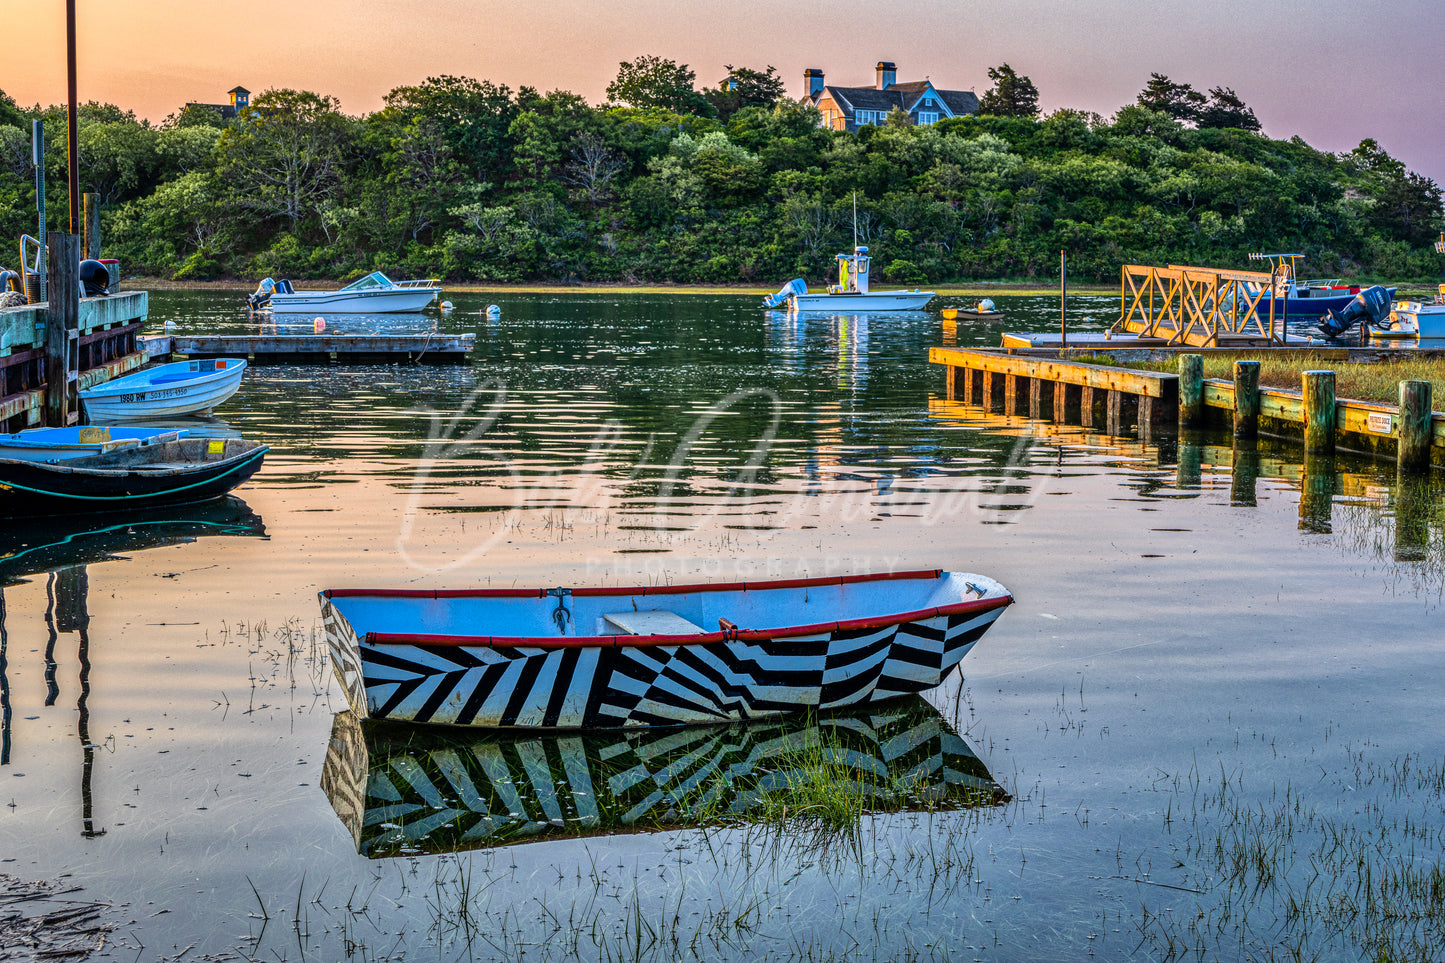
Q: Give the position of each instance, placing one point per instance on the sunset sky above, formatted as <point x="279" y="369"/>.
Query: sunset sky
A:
<point x="1331" y="71"/>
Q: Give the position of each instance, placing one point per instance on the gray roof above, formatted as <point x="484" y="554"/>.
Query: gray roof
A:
<point x="904" y="96"/>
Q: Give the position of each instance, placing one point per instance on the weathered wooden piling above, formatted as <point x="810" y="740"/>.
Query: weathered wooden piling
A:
<point x="62" y="320"/>
<point x="92" y="226"/>
<point x="1319" y="411"/>
<point x="1246" y="399"/>
<point x="1413" y="453"/>
<point x="1191" y="390"/>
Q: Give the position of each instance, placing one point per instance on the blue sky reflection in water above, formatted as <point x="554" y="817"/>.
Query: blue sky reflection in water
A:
<point x="1178" y="625"/>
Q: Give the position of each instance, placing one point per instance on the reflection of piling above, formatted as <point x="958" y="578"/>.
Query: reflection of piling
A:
<point x="1317" y="492"/>
<point x="1246" y="399"/>
<point x="1319" y="411"/>
<point x="1245" y="477"/>
<point x="1415" y="426"/>
<point x="4" y="688"/>
<point x="1412" y="518"/>
<point x="1191" y="453"/>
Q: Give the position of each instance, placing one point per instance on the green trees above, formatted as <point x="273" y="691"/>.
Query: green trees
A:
<point x="652" y="81"/>
<point x="469" y="180"/>
<point x="1012" y="94"/>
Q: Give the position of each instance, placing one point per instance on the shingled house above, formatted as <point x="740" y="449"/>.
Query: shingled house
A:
<point x="240" y="99"/>
<point x="848" y="108"/>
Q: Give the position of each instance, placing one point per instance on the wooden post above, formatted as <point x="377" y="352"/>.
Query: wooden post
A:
<point x="969" y="380"/>
<point x="1061" y="403"/>
<point x="1246" y="399"/>
<point x="1037" y="387"/>
<point x="1191" y="390"/>
<point x="986" y="392"/>
<point x="949" y="374"/>
<point x="1319" y="411"/>
<point x="1010" y="394"/>
<point x="61" y="315"/>
<point x="1086" y="406"/>
<point x="1413" y="454"/>
<point x="92" y="226"/>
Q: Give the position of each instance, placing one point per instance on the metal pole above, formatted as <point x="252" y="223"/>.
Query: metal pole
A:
<point x="1063" y="300"/>
<point x="72" y="141"/>
<point x="37" y="156"/>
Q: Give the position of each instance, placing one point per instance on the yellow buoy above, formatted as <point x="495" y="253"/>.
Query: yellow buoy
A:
<point x="949" y="313"/>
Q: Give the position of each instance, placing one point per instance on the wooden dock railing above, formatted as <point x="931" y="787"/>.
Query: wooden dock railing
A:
<point x="1201" y="307"/>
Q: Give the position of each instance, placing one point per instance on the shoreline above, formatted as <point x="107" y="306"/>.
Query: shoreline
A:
<point x="977" y="289"/>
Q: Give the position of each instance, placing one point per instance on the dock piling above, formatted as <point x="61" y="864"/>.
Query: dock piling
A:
<point x="1319" y="412"/>
<point x="1191" y="390"/>
<point x="1246" y="399"/>
<point x="62" y="322"/>
<point x="1413" y="454"/>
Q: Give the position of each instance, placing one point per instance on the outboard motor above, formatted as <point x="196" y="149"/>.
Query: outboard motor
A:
<point x="795" y="286"/>
<point x="264" y="290"/>
<point x="1370" y="306"/>
<point x="94" y="278"/>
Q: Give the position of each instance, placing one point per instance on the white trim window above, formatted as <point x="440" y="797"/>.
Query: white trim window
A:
<point x="927" y="117"/>
<point x="864" y="118"/>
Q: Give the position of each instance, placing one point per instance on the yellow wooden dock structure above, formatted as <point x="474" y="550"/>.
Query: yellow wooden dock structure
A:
<point x="1198" y="307"/>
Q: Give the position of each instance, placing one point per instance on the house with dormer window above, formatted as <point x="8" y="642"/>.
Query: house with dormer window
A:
<point x="848" y="108"/>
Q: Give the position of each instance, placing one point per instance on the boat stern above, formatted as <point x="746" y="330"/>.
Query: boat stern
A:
<point x="345" y="656"/>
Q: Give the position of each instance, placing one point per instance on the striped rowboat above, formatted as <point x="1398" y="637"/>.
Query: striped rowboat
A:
<point x="615" y="657"/>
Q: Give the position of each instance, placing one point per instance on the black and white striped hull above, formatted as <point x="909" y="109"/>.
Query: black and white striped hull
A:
<point x="405" y="791"/>
<point x="728" y="680"/>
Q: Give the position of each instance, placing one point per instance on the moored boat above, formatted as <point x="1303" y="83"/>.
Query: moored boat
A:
<point x="63" y="444"/>
<point x="178" y="388"/>
<point x="851" y="295"/>
<point x="1293" y="297"/>
<point x="614" y="657"/>
<point x="979" y="311"/>
<point x="374" y="294"/>
<point x="179" y="471"/>
<point x="1413" y="320"/>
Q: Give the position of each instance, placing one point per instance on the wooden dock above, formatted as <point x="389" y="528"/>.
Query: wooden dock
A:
<point x="1119" y="400"/>
<point x="99" y="345"/>
<point x="342" y="349"/>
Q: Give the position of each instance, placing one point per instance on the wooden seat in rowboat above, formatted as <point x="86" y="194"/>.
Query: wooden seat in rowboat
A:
<point x="648" y="622"/>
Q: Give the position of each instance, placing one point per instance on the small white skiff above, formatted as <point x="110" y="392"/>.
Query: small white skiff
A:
<point x="179" y="388"/>
<point x="851" y="295"/>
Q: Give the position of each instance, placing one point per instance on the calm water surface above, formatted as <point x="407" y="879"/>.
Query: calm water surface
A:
<point x="1190" y="619"/>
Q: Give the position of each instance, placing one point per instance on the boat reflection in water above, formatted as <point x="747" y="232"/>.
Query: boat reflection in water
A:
<point x="404" y="789"/>
<point x="30" y="547"/>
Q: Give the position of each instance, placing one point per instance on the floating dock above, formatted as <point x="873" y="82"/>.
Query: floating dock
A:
<point x="318" y="348"/>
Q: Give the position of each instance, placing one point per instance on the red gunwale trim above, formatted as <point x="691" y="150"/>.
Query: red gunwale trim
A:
<point x="972" y="607"/>
<point x="644" y="590"/>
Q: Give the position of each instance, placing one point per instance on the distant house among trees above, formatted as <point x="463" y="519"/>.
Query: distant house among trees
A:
<point x="848" y="108"/>
<point x="240" y="99"/>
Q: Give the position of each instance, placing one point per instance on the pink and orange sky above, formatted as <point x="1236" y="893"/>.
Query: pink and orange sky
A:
<point x="1331" y="71"/>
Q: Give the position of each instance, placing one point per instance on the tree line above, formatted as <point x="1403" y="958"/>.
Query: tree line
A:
<point x="734" y="183"/>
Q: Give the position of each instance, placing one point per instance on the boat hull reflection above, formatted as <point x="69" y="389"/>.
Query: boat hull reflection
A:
<point x="30" y="547"/>
<point x="402" y="789"/>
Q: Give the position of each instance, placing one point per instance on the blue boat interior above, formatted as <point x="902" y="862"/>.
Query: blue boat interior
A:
<point x="683" y="613"/>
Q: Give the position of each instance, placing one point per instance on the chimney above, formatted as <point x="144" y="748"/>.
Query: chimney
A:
<point x="887" y="74"/>
<point x="813" y="81"/>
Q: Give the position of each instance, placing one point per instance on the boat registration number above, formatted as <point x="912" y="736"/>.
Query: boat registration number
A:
<point x="140" y="396"/>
